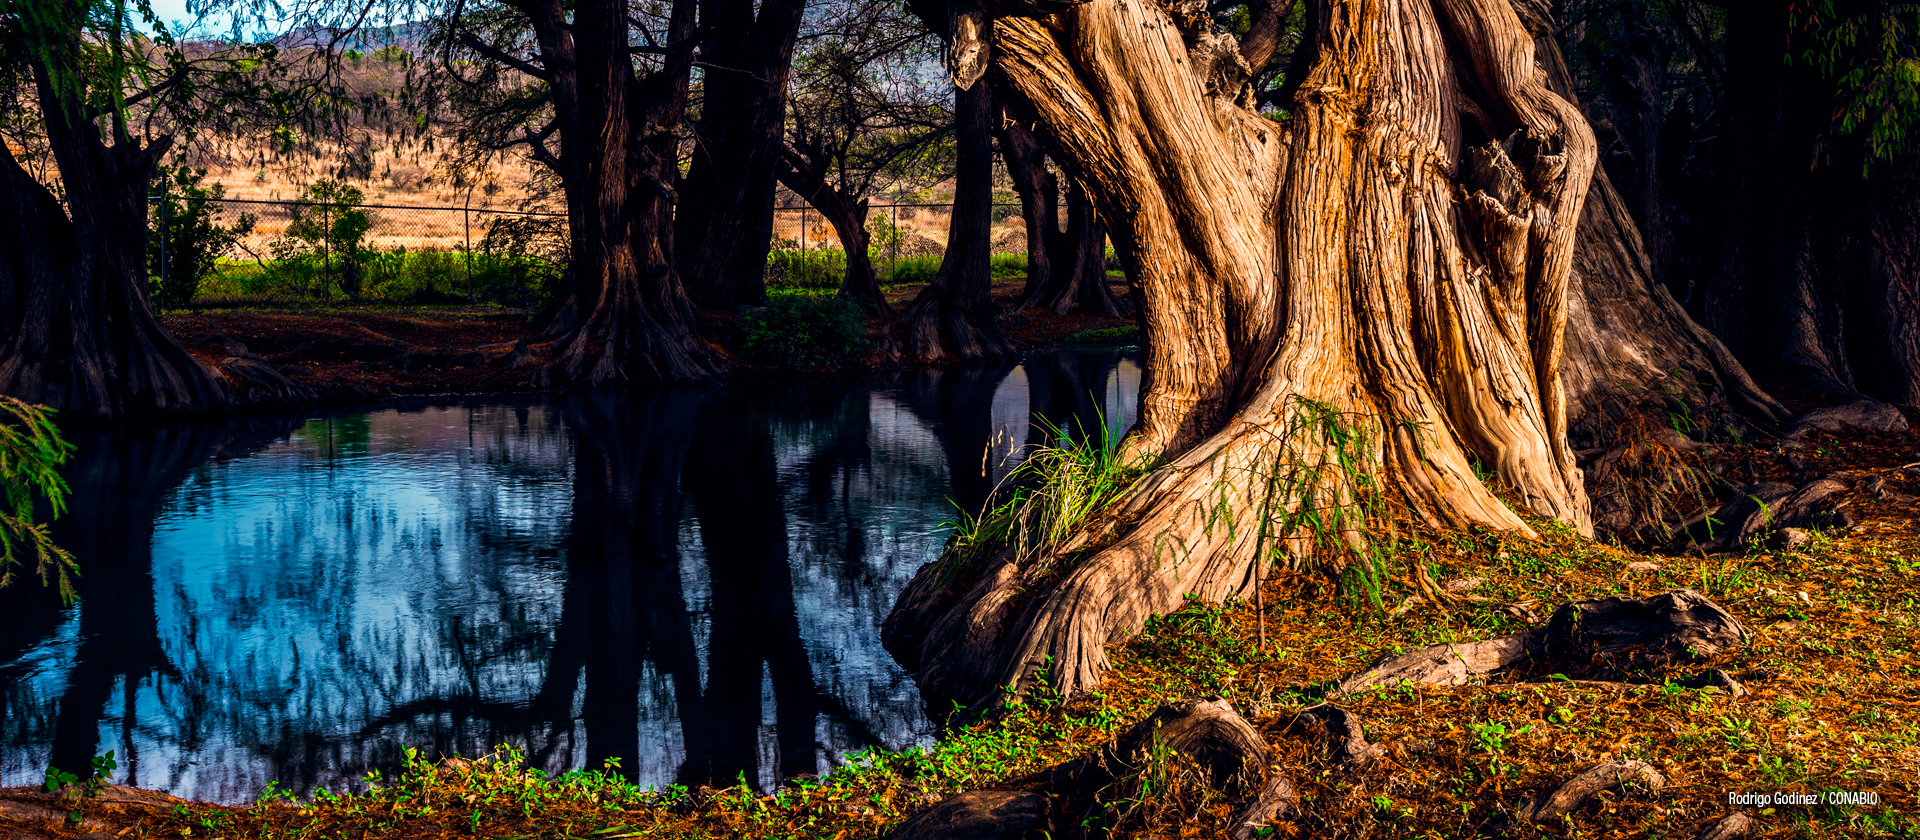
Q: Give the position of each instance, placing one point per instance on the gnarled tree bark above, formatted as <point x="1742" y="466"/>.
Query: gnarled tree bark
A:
<point x="627" y="317"/>
<point x="1389" y="265"/>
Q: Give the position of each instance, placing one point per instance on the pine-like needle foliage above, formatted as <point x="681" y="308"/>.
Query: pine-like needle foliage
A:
<point x="31" y="452"/>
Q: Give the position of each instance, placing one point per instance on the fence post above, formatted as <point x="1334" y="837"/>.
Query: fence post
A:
<point x="166" y="245"/>
<point x="466" y="221"/>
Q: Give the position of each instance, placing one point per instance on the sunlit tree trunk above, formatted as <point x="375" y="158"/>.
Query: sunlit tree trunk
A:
<point x="1392" y="261"/>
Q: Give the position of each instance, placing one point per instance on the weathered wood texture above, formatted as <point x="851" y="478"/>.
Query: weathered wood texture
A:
<point x="1363" y="300"/>
<point x="1568" y="796"/>
<point x="1409" y="278"/>
<point x="1227" y="750"/>
<point x="1605" y="639"/>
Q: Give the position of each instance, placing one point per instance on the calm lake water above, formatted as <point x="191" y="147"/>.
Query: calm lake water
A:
<point x="689" y="582"/>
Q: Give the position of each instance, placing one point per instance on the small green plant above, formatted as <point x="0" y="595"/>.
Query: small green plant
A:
<point x="1494" y="738"/>
<point x="1008" y="265"/>
<point x="882" y="235"/>
<point x="31" y="452"/>
<point x="913" y="270"/>
<point x="803" y="334"/>
<point x="1057" y="489"/>
<point x="814" y="269"/>
<point x="73" y="791"/>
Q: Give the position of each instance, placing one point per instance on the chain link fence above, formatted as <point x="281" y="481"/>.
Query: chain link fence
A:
<point x="905" y="242"/>
<point x="235" y="252"/>
<point x="219" y="251"/>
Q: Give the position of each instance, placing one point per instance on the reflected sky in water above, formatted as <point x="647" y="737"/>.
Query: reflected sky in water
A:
<point x="690" y="583"/>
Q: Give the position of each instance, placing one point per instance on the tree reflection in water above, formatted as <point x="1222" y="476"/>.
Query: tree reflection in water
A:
<point x="689" y="582"/>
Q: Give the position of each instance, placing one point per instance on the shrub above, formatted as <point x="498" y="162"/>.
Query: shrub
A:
<point x="799" y="333"/>
<point x="1009" y="265"/>
<point x="185" y="240"/>
<point x="522" y="261"/>
<point x="1106" y="337"/>
<point x="822" y="269"/>
<point x="325" y="241"/>
<point x="914" y="270"/>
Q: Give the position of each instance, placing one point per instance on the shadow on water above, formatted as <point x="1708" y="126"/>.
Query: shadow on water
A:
<point x="689" y="583"/>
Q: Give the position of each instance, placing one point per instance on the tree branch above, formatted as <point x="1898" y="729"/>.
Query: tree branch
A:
<point x="473" y="42"/>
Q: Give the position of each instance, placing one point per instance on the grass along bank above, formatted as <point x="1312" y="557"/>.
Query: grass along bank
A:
<point x="1831" y="669"/>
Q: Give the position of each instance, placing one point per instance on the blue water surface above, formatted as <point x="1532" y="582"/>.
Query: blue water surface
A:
<point x="688" y="583"/>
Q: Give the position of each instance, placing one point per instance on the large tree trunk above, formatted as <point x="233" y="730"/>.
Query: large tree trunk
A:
<point x="1633" y="354"/>
<point x="79" y="331"/>
<point x="848" y="216"/>
<point x="1039" y="194"/>
<point x="627" y="318"/>
<point x="952" y="318"/>
<point x="1628" y="55"/>
<point x="1814" y="279"/>
<point x="725" y="219"/>
<point x="1079" y="280"/>
<point x="1349" y="306"/>
<point x="1885" y="319"/>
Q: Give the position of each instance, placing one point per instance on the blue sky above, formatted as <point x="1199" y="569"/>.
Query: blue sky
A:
<point x="174" y="12"/>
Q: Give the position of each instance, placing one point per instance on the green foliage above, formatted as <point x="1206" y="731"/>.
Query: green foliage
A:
<point x="522" y="262"/>
<point x="803" y="334"/>
<point x="324" y="245"/>
<point x="185" y="239"/>
<point x="428" y="275"/>
<point x="1494" y="739"/>
<point x="1871" y="53"/>
<point x="914" y="270"/>
<point x="1009" y="265"/>
<point x="1320" y="495"/>
<point x="1106" y="337"/>
<point x="72" y="791"/>
<point x="31" y="452"/>
<point x="1059" y="488"/>
<point x="882" y="234"/>
<point x="811" y="269"/>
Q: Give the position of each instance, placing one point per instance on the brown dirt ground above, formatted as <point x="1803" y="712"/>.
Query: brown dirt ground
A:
<point x="340" y="350"/>
<point x="1832" y="670"/>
